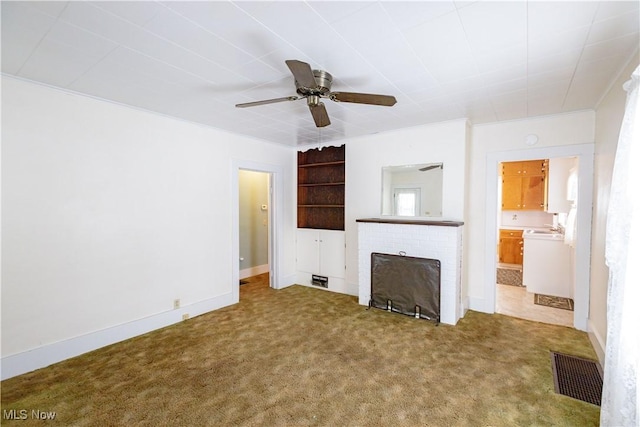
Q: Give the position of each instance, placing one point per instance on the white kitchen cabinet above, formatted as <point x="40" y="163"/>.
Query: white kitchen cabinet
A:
<point x="321" y="252"/>
<point x="547" y="265"/>
<point x="557" y="177"/>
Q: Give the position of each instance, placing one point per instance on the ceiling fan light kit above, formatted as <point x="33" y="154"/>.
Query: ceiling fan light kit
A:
<point x="316" y="84"/>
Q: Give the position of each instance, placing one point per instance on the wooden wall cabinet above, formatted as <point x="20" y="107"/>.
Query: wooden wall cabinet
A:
<point x="321" y="184"/>
<point x="524" y="185"/>
<point x="510" y="249"/>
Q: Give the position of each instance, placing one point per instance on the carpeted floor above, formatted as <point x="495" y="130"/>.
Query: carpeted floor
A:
<point x="302" y="356"/>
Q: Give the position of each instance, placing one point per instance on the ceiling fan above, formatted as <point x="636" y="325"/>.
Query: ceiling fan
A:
<point x="316" y="84"/>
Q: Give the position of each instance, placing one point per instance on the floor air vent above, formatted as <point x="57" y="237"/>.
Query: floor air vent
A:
<point x="577" y="378"/>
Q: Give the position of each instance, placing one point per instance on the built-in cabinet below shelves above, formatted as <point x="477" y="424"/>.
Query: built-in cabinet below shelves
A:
<point x="524" y="185"/>
<point x="322" y="253"/>
<point x="321" y="184"/>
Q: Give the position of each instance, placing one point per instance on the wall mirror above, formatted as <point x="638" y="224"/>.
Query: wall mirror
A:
<point x="412" y="190"/>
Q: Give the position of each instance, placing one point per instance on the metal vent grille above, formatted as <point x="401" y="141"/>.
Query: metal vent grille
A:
<point x="577" y="378"/>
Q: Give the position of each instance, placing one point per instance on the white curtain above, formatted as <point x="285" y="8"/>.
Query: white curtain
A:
<point x="620" y="398"/>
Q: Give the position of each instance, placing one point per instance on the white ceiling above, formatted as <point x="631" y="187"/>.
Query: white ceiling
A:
<point x="442" y="60"/>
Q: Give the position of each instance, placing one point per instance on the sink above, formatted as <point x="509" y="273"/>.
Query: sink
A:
<point x="543" y="234"/>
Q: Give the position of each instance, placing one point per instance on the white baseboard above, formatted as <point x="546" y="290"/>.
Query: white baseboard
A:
<point x="286" y="282"/>
<point x="49" y="354"/>
<point x="479" y="304"/>
<point x="254" y="271"/>
<point x="597" y="342"/>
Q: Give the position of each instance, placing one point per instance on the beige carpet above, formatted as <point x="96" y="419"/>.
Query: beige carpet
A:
<point x="302" y="356"/>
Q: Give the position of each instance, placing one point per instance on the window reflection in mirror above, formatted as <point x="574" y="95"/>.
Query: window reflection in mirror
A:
<point x="412" y="190"/>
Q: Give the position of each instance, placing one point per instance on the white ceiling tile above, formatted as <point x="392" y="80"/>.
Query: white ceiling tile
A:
<point x="405" y="63"/>
<point x="127" y="60"/>
<point x="25" y="27"/>
<point x="621" y="46"/>
<point x="621" y="25"/>
<point x="170" y="53"/>
<point x="332" y="11"/>
<point x="549" y="93"/>
<point x="421" y="94"/>
<point x="137" y="12"/>
<point x="558" y="61"/>
<point x="377" y="26"/>
<point x="81" y="40"/>
<point x="500" y="75"/>
<point x="232" y="24"/>
<point x="262" y="74"/>
<point x="554" y="75"/>
<point x="508" y="87"/>
<point x="194" y="38"/>
<point x="98" y="21"/>
<point x="489" y="60"/>
<point x="590" y="81"/>
<point x="442" y="46"/>
<point x="453" y="70"/>
<point x="486" y="23"/>
<point x="52" y="8"/>
<point x="461" y="4"/>
<point x="609" y="9"/>
<point x="272" y="16"/>
<point x="547" y="18"/>
<point x="555" y="44"/>
<point x="57" y="64"/>
<point x="407" y="14"/>
<point x="543" y="107"/>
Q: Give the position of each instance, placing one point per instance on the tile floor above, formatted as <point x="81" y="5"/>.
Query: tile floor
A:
<point x="515" y="301"/>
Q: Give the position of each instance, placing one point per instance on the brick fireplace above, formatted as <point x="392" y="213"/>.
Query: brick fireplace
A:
<point x="440" y="240"/>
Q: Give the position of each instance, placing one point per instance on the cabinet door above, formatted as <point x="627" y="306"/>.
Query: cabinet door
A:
<point x="332" y="253"/>
<point x="510" y="250"/>
<point x="308" y="251"/>
<point x="533" y="167"/>
<point x="512" y="168"/>
<point x="511" y="193"/>
<point x="533" y="193"/>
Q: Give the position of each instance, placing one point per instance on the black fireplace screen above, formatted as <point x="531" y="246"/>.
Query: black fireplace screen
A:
<point x="406" y="285"/>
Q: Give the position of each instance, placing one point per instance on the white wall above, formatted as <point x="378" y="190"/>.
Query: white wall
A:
<point x="365" y="157"/>
<point x="109" y="215"/>
<point x="609" y="116"/>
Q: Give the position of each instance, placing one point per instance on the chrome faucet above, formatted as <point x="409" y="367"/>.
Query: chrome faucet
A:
<point x="556" y="228"/>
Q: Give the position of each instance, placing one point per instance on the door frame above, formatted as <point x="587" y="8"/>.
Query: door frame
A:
<point x="274" y="221"/>
<point x="582" y="268"/>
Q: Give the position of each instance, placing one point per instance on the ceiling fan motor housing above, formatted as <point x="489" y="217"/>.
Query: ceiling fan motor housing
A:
<point x="323" y="84"/>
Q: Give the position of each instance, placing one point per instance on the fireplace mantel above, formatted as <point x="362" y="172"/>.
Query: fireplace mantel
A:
<point x="441" y="240"/>
<point x="412" y="222"/>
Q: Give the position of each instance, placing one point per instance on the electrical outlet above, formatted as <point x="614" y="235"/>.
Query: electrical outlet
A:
<point x="176" y="304"/>
<point x="185" y="316"/>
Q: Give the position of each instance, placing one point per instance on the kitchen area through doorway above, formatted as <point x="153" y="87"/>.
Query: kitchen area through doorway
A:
<point x="536" y="231"/>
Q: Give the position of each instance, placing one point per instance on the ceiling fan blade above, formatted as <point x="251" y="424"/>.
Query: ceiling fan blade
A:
<point x="363" y="98"/>
<point x="267" y="101"/>
<point x="320" y="116"/>
<point x="302" y="73"/>
<point x="429" y="167"/>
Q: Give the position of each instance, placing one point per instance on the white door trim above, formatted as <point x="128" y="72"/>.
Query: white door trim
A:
<point x="275" y="221"/>
<point x="585" y="155"/>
